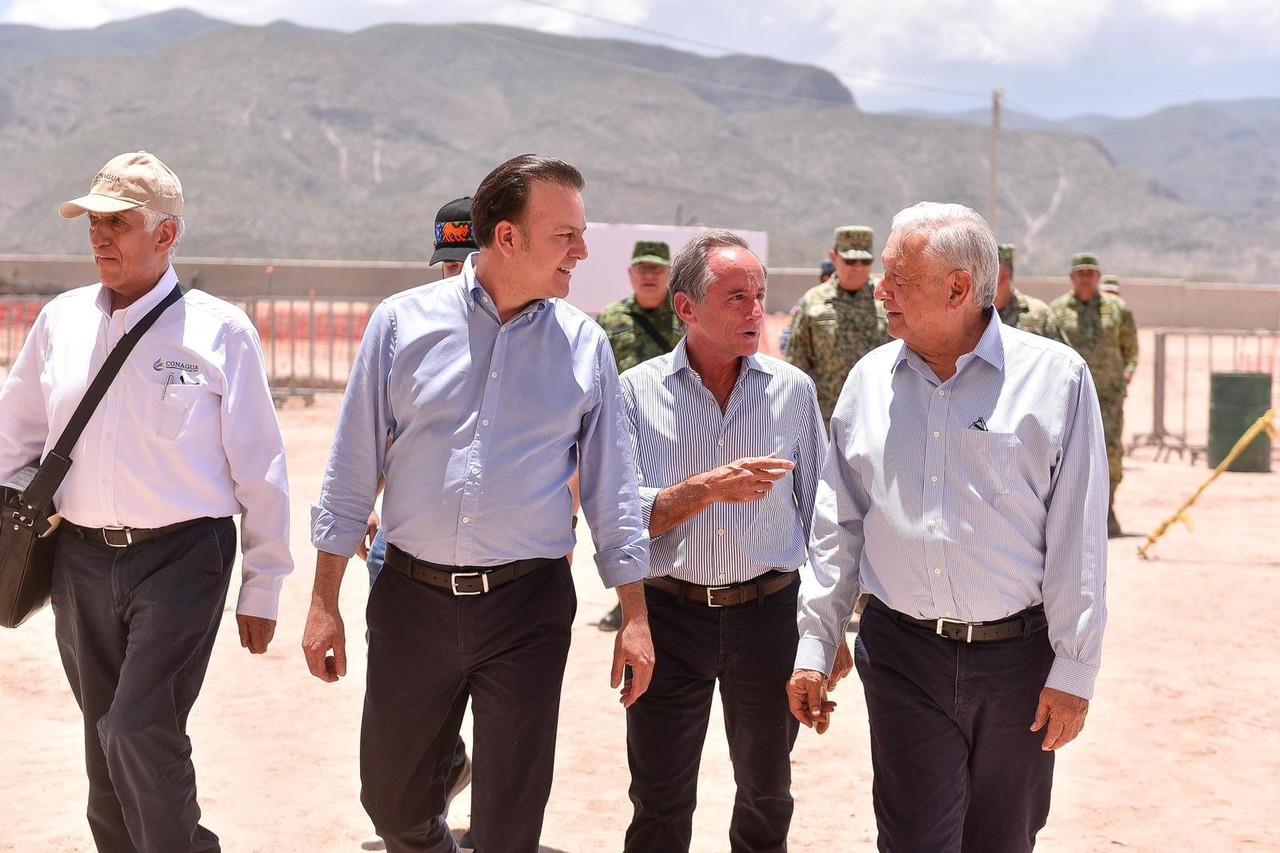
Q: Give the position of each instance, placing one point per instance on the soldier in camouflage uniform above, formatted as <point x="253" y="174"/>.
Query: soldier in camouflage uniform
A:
<point x="1100" y="327"/>
<point x="644" y="325"/>
<point x="641" y="327"/>
<point x="825" y="270"/>
<point x="839" y="321"/>
<point x="1019" y="310"/>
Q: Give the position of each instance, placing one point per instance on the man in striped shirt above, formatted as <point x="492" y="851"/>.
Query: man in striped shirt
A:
<point x="728" y="446"/>
<point x="966" y="494"/>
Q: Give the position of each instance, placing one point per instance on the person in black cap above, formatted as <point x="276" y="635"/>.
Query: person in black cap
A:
<point x="453" y="242"/>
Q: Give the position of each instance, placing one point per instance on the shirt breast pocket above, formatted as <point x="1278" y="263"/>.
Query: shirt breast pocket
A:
<point x="169" y="409"/>
<point x="990" y="460"/>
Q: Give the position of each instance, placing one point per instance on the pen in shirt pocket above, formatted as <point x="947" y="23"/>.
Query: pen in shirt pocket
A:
<point x="165" y="391"/>
<point x="979" y="424"/>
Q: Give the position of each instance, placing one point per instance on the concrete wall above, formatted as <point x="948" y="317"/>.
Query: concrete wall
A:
<point x="1155" y="302"/>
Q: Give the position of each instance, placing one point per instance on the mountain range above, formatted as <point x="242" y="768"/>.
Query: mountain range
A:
<point x="297" y="142"/>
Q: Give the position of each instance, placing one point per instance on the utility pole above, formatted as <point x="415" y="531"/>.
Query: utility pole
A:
<point x="992" y="196"/>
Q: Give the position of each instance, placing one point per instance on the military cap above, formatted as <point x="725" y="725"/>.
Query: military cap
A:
<point x="1084" y="261"/>
<point x="1006" y="250"/>
<point x="651" y="252"/>
<point x="454" y="238"/>
<point x="1110" y="284"/>
<point x="855" y="242"/>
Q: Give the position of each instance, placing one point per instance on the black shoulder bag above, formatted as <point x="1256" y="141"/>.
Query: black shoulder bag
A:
<point x="26" y="500"/>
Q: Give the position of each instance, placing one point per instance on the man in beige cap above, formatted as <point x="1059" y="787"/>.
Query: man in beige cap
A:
<point x="185" y="437"/>
<point x="837" y="322"/>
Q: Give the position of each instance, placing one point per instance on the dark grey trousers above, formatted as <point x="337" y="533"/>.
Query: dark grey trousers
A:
<point x="750" y="651"/>
<point x="135" y="629"/>
<point x="957" y="768"/>
<point x="429" y="651"/>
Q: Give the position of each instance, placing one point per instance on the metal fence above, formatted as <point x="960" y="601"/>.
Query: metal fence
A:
<point x="309" y="344"/>
<point x="1184" y="360"/>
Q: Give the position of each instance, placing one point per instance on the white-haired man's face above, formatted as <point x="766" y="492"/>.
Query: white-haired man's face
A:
<point x="924" y="300"/>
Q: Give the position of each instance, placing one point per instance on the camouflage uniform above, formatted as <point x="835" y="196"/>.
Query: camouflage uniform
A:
<point x="1103" y="332"/>
<point x="1031" y="315"/>
<point x="630" y="342"/>
<point x="831" y="330"/>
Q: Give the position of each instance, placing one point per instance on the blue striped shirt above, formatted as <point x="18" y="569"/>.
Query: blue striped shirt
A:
<point x="679" y="431"/>
<point x="934" y="515"/>
<point x="489" y="421"/>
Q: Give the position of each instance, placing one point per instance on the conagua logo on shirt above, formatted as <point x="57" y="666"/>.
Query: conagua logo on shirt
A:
<point x="170" y="364"/>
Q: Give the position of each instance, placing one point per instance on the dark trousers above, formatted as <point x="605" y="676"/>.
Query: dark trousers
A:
<point x="428" y="652"/>
<point x="750" y="650"/>
<point x="135" y="629"/>
<point x="956" y="765"/>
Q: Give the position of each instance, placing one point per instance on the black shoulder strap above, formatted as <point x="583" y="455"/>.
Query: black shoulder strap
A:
<point x="644" y="323"/>
<point x="54" y="467"/>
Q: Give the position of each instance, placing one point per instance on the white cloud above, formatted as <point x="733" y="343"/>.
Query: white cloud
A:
<point x="1220" y="31"/>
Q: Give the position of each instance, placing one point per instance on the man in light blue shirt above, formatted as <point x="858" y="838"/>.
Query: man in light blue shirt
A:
<point x="728" y="444"/>
<point x="965" y="493"/>
<point x="493" y="392"/>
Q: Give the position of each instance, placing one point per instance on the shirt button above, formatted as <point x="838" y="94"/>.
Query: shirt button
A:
<point x="942" y="392"/>
<point x="937" y="571"/>
<point x="484" y="422"/>
<point x="720" y="442"/>
<point x="466" y="519"/>
<point x="721" y="576"/>
<point x="937" y="434"/>
<point x="493" y="375"/>
<point x="720" y="532"/>
<point x="934" y="479"/>
<point x="932" y="524"/>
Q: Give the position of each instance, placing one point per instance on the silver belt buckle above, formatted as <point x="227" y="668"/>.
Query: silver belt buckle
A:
<point x="484" y="583"/>
<point x="969" y="634"/>
<point x="128" y="536"/>
<point x="712" y="589"/>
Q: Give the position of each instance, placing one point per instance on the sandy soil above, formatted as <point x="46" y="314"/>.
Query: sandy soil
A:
<point x="1181" y="750"/>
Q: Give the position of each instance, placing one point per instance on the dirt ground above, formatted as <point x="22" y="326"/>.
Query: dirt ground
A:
<point x="1181" y="750"/>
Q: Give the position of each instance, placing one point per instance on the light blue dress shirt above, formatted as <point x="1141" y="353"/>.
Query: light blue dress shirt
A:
<point x="970" y="499"/>
<point x="680" y="431"/>
<point x="489" y="420"/>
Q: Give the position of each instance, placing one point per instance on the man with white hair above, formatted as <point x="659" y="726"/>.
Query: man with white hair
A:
<point x="965" y="494"/>
<point x="185" y="437"/>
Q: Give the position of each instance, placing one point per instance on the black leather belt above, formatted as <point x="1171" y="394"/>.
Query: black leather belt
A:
<point x="463" y="580"/>
<point x="1013" y="627"/>
<point x="123" y="537"/>
<point x="730" y="595"/>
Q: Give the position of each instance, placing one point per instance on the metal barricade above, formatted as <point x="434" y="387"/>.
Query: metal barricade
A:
<point x="1184" y="360"/>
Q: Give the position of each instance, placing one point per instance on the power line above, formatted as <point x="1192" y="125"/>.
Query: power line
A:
<point x="870" y="76"/>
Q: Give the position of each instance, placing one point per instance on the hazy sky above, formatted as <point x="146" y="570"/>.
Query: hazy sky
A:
<point x="1053" y="57"/>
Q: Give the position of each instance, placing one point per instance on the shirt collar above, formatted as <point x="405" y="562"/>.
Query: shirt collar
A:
<point x="472" y="292"/>
<point x="990" y="348"/>
<point x="144" y="303"/>
<point x="680" y="361"/>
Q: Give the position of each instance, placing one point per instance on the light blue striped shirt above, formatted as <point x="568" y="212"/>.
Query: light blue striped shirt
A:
<point x="489" y="421"/>
<point x="680" y="431"/>
<point x="937" y="517"/>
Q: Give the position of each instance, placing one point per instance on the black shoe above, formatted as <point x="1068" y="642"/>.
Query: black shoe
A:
<point x="459" y="779"/>
<point x="1113" y="525"/>
<point x="612" y="621"/>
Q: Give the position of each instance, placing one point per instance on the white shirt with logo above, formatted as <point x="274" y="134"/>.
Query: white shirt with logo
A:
<point x="187" y="429"/>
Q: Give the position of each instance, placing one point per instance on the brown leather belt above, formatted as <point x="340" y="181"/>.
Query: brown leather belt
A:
<point x="463" y="580"/>
<point x="1017" y="626"/>
<point x="123" y="537"/>
<point x="730" y="595"/>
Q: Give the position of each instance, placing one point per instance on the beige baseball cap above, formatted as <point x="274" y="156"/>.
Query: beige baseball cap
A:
<point x="137" y="179"/>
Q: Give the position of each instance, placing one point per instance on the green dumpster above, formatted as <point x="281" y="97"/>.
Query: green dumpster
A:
<point x="1236" y="401"/>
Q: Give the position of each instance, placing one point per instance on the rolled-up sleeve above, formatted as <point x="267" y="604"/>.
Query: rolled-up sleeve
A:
<point x="608" y="481"/>
<point x="829" y="584"/>
<point x="350" y="487"/>
<point x="1075" y="564"/>
<point x="254" y="449"/>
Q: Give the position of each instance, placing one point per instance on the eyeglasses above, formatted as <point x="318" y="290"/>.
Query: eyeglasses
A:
<point x="866" y="262"/>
